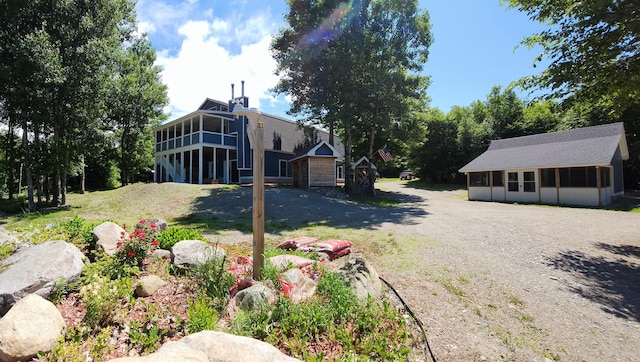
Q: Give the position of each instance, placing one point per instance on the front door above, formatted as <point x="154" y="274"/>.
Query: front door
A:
<point x="521" y="186"/>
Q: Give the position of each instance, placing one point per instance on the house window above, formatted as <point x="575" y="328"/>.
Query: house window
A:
<point x="479" y="179"/>
<point x="283" y="168"/>
<point x="340" y="171"/>
<point x="498" y="178"/>
<point x="548" y="177"/>
<point x="512" y="183"/>
<point x="529" y="181"/>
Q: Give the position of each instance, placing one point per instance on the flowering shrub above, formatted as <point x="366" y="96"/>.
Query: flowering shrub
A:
<point x="133" y="248"/>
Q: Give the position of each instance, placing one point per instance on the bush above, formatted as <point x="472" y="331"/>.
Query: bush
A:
<point x="174" y="234"/>
<point x="133" y="249"/>
<point x="202" y="315"/>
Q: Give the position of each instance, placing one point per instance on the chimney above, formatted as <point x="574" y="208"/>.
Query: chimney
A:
<point x="242" y="81"/>
<point x="232" y="90"/>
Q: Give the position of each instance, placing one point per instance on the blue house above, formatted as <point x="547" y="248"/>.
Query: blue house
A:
<point x="210" y="145"/>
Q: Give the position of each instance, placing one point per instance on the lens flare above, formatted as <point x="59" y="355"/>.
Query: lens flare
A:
<point x="331" y="27"/>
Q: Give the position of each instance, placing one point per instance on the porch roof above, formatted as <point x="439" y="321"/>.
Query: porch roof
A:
<point x="589" y="146"/>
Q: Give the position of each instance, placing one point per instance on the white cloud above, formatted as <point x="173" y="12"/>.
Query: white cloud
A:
<point x="205" y="66"/>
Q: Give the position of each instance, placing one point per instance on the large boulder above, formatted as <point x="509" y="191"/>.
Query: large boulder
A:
<point x="255" y="297"/>
<point x="107" y="236"/>
<point x="194" y="252"/>
<point x="214" y="346"/>
<point x="362" y="277"/>
<point x="37" y="269"/>
<point x="33" y="324"/>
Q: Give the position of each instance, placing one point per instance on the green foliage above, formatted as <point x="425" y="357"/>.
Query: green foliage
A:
<point x="78" y="233"/>
<point x="592" y="47"/>
<point x="213" y="280"/>
<point x="386" y="43"/>
<point x="173" y="234"/>
<point x="202" y="315"/>
<point x="133" y="249"/>
<point x="102" y="297"/>
<point x="365" y="329"/>
<point x="6" y="250"/>
<point x="77" y="341"/>
<point x="146" y="335"/>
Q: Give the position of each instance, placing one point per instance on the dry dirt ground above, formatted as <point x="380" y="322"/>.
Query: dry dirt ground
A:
<point x="489" y="281"/>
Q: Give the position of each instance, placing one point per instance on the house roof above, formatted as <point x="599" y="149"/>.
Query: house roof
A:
<point x="321" y="149"/>
<point x="364" y="161"/>
<point x="589" y="146"/>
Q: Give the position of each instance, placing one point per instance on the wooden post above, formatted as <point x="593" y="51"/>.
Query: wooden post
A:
<point x="258" y="201"/>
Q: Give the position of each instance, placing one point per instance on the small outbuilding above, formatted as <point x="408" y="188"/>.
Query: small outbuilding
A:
<point x="316" y="166"/>
<point x="576" y="167"/>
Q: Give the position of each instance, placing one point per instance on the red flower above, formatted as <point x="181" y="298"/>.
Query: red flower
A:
<point x="154" y="243"/>
<point x="131" y="236"/>
<point x="124" y="226"/>
<point x="143" y="221"/>
<point x="122" y="233"/>
<point x="131" y="254"/>
<point x="118" y="245"/>
<point x="153" y="226"/>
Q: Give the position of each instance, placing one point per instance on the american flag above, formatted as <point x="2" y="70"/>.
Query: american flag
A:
<point x="385" y="155"/>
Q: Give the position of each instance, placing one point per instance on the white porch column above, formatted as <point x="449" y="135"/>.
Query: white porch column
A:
<point x="200" y="152"/>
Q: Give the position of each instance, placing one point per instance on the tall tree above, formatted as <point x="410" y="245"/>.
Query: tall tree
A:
<point x="593" y="47"/>
<point x="352" y="65"/>
<point x="135" y="106"/>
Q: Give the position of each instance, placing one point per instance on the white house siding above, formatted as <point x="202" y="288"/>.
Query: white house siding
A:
<point x="499" y="193"/>
<point x="480" y="193"/>
<point x="583" y="196"/>
<point x="548" y="195"/>
<point x="484" y="193"/>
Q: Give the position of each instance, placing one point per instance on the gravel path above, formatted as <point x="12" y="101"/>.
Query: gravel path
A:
<point x="520" y="282"/>
<point x="489" y="281"/>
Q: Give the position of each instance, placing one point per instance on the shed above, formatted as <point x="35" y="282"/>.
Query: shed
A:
<point x="315" y="167"/>
<point x="581" y="166"/>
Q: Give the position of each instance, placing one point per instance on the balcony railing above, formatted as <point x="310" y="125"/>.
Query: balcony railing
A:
<point x="193" y="139"/>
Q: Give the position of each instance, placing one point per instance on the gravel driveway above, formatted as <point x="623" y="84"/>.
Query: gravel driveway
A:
<point x="491" y="281"/>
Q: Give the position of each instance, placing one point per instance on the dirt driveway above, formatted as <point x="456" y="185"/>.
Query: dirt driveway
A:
<point x="492" y="281"/>
<point x="496" y="281"/>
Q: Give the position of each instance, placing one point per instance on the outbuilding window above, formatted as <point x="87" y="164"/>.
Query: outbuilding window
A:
<point x="512" y="184"/>
<point x="479" y="179"/>
<point x="529" y="181"/>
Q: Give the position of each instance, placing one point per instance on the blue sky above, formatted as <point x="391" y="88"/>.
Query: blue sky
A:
<point x="204" y="46"/>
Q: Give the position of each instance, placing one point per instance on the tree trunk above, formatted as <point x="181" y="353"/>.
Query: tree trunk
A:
<point x="82" y="175"/>
<point x="347" y="157"/>
<point x="27" y="163"/>
<point x="370" y="172"/>
<point x="11" y="157"/>
<point x="63" y="179"/>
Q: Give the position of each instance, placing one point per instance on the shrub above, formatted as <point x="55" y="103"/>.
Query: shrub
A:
<point x="202" y="315"/>
<point x="78" y="234"/>
<point x="174" y="234"/>
<point x="102" y="298"/>
<point x="133" y="249"/>
<point x="362" y="330"/>
<point x="214" y="280"/>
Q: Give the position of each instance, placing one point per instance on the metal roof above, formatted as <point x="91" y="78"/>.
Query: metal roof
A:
<point x="589" y="146"/>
